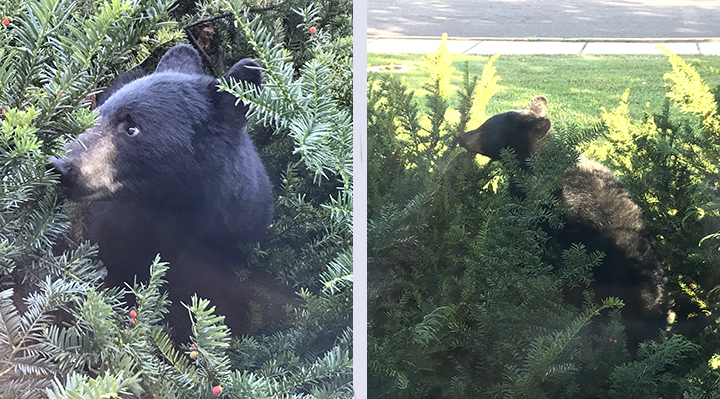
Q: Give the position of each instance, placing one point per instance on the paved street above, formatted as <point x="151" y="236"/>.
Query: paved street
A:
<point x="545" y="18"/>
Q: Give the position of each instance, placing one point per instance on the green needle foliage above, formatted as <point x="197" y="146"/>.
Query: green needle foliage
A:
<point x="65" y="335"/>
<point x="467" y="285"/>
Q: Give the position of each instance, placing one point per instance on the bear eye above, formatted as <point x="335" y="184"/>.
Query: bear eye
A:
<point x="132" y="131"/>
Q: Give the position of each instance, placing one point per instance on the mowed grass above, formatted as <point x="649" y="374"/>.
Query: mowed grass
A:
<point x="576" y="86"/>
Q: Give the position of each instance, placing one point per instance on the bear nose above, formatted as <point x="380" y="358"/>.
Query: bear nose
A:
<point x="59" y="165"/>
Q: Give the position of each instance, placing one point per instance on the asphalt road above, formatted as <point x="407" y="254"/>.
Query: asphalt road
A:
<point x="545" y="18"/>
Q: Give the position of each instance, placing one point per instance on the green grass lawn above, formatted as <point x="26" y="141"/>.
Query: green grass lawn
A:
<point x="576" y="85"/>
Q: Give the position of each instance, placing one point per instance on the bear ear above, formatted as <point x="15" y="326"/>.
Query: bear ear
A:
<point x="541" y="126"/>
<point x="538" y="105"/>
<point x="181" y="58"/>
<point x="245" y="70"/>
<point x="226" y="104"/>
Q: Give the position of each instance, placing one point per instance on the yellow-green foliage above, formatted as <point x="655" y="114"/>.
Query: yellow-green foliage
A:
<point x="621" y="135"/>
<point x="690" y="93"/>
<point x="438" y="66"/>
<point x="18" y="132"/>
<point x="618" y="120"/>
<point x="425" y="135"/>
<point x="163" y="36"/>
<point x="486" y="88"/>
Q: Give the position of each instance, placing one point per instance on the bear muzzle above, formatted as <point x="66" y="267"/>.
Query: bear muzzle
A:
<point x="58" y="165"/>
<point x="471" y="141"/>
<point x="81" y="179"/>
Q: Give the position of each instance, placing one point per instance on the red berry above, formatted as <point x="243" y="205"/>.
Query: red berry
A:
<point x="132" y="321"/>
<point x="690" y="285"/>
<point x="127" y="331"/>
<point x="312" y="29"/>
<point x="194" y="346"/>
<point x="460" y="240"/>
<point x="217" y="389"/>
<point x="399" y="155"/>
<point x="610" y="340"/>
<point x="6" y="21"/>
<point x="4" y="111"/>
<point x="523" y="349"/>
<point x="133" y="314"/>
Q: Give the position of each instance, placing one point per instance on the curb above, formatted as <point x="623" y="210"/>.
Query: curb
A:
<point x="560" y="39"/>
<point x="549" y="46"/>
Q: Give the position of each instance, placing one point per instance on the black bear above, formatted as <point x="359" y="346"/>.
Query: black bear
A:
<point x="171" y="169"/>
<point x="601" y="215"/>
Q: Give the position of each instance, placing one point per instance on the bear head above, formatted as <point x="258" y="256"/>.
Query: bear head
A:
<point x="520" y="130"/>
<point x="158" y="129"/>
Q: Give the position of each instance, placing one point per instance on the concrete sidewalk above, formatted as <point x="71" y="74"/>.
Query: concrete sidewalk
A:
<point x="487" y="46"/>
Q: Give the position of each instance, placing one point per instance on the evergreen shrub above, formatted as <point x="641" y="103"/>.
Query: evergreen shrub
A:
<point x="465" y="292"/>
<point x="65" y="335"/>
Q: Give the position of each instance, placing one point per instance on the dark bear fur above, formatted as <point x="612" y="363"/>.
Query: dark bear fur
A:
<point x="602" y="216"/>
<point x="171" y="169"/>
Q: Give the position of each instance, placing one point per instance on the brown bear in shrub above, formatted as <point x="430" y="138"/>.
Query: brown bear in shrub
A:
<point x="601" y="215"/>
<point x="171" y="169"/>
